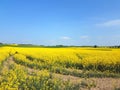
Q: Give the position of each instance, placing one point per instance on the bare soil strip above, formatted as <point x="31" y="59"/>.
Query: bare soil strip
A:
<point x="6" y="64"/>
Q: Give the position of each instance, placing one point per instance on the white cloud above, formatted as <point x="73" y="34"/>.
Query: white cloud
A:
<point x="84" y="37"/>
<point x="65" y="38"/>
<point x="110" y="23"/>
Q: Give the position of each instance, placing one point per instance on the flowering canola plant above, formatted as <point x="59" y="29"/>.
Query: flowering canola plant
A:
<point x="31" y="68"/>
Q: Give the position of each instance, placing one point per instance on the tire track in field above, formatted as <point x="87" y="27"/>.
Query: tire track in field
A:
<point x="6" y="64"/>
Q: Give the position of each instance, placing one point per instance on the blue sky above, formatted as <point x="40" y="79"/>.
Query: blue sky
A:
<point x="67" y="22"/>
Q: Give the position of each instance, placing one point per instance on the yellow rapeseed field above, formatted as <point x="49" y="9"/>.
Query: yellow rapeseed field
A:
<point x="67" y="57"/>
<point x="31" y="68"/>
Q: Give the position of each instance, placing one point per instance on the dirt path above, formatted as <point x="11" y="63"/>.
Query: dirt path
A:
<point x="101" y="83"/>
<point x="6" y="64"/>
